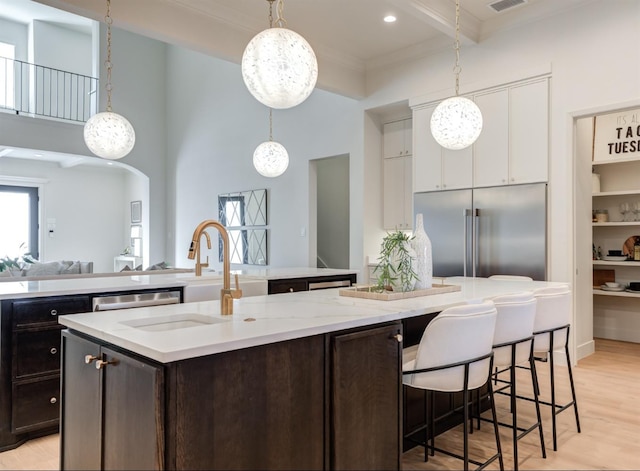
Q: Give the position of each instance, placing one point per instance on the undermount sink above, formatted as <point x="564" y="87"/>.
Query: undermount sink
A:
<point x="173" y="322"/>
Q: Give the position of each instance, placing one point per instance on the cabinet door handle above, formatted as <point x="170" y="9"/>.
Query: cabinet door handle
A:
<point x="53" y="350"/>
<point x="398" y="337"/>
<point x="54" y="312"/>
<point x="290" y="290"/>
<point x="88" y="359"/>
<point x="102" y="363"/>
<point x="53" y="400"/>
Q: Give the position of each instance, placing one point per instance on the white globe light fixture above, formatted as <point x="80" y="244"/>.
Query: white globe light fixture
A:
<point x="108" y="134"/>
<point x="270" y="159"/>
<point x="279" y="66"/>
<point x="456" y="123"/>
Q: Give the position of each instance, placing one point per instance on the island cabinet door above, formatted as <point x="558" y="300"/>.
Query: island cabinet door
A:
<point x="365" y="398"/>
<point x="112" y="409"/>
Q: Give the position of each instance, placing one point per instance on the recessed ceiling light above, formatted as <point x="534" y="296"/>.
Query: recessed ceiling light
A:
<point x="389" y="19"/>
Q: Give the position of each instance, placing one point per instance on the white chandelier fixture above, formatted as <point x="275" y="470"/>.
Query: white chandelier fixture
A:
<point x="108" y="134"/>
<point x="456" y="122"/>
<point x="279" y="66"/>
<point x="270" y="158"/>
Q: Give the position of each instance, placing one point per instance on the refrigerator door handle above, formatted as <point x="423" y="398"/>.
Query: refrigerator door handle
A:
<point x="476" y="233"/>
<point x="465" y="245"/>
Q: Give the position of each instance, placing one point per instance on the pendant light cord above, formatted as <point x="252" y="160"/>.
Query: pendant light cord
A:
<point x="457" y="69"/>
<point x="108" y="64"/>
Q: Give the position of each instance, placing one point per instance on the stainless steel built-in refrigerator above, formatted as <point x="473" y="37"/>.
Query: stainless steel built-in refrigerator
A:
<point x="487" y="231"/>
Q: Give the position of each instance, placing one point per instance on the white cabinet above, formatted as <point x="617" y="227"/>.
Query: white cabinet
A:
<point x="437" y="168"/>
<point x="512" y="148"/>
<point x="398" y="139"/>
<point x="529" y="132"/>
<point x="397" y="194"/>
<point x="491" y="150"/>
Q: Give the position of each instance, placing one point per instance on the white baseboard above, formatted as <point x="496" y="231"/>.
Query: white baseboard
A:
<point x="585" y="350"/>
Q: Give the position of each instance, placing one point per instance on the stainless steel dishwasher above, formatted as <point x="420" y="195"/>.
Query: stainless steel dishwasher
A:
<point x="126" y="301"/>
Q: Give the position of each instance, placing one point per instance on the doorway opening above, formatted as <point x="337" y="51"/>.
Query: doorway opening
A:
<point x="331" y="211"/>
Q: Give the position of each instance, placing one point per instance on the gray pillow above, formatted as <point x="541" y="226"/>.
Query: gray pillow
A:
<point x="73" y="269"/>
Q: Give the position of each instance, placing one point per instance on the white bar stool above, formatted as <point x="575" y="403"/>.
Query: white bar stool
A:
<point x="512" y="346"/>
<point x="454" y="355"/>
<point x="551" y="332"/>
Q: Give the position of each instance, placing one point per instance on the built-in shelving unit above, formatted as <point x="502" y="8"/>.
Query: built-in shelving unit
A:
<point x="615" y="312"/>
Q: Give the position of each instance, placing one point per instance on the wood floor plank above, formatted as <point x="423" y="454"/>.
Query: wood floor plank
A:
<point x="607" y="384"/>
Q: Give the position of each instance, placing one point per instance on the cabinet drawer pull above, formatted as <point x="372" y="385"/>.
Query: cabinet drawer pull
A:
<point x="53" y="350"/>
<point x="290" y="290"/>
<point x="54" y="312"/>
<point x="398" y="337"/>
<point x="89" y="358"/>
<point x="53" y="400"/>
<point x="102" y="363"/>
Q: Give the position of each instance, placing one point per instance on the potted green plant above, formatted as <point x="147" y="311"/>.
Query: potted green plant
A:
<point x="395" y="264"/>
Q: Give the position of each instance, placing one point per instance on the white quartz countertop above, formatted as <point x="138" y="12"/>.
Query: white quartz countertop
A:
<point x="261" y="320"/>
<point x="30" y="289"/>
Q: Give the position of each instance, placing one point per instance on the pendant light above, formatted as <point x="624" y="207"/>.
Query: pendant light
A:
<point x="279" y="66"/>
<point x="108" y="134"/>
<point x="456" y="122"/>
<point x="270" y="158"/>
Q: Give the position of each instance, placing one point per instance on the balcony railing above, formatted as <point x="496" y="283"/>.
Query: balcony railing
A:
<point x="42" y="91"/>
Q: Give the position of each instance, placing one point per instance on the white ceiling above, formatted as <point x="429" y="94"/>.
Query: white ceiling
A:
<point x="348" y="36"/>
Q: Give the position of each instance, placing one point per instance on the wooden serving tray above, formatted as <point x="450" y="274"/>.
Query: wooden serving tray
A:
<point x="365" y="292"/>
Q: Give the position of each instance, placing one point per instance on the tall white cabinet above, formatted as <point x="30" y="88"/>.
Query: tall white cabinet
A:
<point x="512" y="148"/>
<point x="397" y="175"/>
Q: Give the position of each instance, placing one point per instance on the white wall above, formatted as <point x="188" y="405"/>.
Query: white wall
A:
<point x="214" y="125"/>
<point x="89" y="225"/>
<point x="17" y="34"/>
<point x="61" y="48"/>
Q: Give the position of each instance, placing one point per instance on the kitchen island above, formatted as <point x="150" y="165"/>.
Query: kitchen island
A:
<point x="293" y="381"/>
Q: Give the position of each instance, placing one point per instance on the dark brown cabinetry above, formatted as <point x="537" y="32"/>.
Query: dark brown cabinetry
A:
<point x="322" y="402"/>
<point x="30" y="365"/>
<point x="290" y="285"/>
<point x="112" y="408"/>
<point x="366" y="391"/>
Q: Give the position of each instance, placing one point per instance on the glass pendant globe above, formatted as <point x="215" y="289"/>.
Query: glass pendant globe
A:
<point x="456" y="123"/>
<point x="109" y="135"/>
<point x="270" y="159"/>
<point x="279" y="68"/>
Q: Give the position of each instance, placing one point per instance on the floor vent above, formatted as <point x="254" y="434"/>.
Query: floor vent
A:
<point x="502" y="5"/>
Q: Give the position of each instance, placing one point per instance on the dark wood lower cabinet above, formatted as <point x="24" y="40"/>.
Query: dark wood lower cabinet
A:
<point x="366" y="388"/>
<point x="112" y="416"/>
<point x="322" y="402"/>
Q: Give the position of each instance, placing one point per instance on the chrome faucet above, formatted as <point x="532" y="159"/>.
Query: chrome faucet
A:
<point x="227" y="295"/>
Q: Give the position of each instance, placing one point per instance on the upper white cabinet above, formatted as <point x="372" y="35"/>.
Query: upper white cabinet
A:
<point x="397" y="175"/>
<point x="398" y="196"/>
<point x="491" y="152"/>
<point x="398" y="139"/>
<point x="529" y="132"/>
<point x="512" y="148"/>
<point x="436" y="168"/>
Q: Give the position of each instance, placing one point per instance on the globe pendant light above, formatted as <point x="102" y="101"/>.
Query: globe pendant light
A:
<point x="456" y="122"/>
<point x="108" y="134"/>
<point x="270" y="158"/>
<point x="279" y="66"/>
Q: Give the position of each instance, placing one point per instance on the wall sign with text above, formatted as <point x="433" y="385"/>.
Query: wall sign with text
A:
<point x="617" y="136"/>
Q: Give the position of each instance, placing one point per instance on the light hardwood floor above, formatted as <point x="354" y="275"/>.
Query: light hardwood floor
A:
<point x="607" y="384"/>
